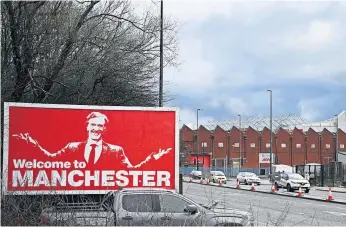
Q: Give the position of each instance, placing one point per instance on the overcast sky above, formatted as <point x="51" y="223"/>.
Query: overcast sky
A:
<point x="233" y="51"/>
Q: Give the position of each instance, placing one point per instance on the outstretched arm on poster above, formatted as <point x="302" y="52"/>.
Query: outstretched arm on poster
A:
<point x="26" y="137"/>
<point x="156" y="156"/>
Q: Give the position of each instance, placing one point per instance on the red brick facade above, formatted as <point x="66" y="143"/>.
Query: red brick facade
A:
<point x="290" y="148"/>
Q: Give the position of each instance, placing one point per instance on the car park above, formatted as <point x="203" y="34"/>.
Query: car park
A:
<point x="248" y="178"/>
<point x="196" y="174"/>
<point x="217" y="176"/>
<point x="145" y="207"/>
<point x="291" y="182"/>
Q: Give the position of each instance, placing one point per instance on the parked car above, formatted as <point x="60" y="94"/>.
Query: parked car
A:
<point x="248" y="178"/>
<point x="291" y="181"/>
<point x="217" y="176"/>
<point x="145" y="207"/>
<point x="196" y="174"/>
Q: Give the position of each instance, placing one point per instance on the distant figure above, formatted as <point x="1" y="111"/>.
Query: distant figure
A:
<point x="94" y="147"/>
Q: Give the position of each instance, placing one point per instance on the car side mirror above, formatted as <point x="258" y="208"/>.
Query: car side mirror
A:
<point x="192" y="209"/>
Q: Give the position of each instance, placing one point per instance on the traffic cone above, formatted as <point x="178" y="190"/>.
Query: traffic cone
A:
<point x="300" y="193"/>
<point x="208" y="181"/>
<point x="201" y="181"/>
<point x="330" y="196"/>
<point x="253" y="187"/>
<point x="273" y="189"/>
<point x="238" y="185"/>
<point x="190" y="179"/>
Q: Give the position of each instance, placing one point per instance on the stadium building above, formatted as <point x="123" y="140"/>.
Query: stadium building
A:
<point x="295" y="141"/>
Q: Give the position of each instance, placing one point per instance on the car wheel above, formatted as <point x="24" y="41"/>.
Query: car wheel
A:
<point x="289" y="189"/>
<point x="258" y="184"/>
<point x="307" y="190"/>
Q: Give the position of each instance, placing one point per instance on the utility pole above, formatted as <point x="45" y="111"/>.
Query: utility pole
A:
<point x="271" y="129"/>
<point x="240" y="139"/>
<point x="337" y="138"/>
<point x="161" y="58"/>
<point x="336" y="151"/>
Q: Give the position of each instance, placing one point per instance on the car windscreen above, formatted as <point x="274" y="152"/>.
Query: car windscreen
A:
<point x="219" y="174"/>
<point x="295" y="176"/>
<point x="250" y="175"/>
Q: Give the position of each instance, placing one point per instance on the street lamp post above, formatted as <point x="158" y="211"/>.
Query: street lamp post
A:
<point x="337" y="138"/>
<point x="271" y="129"/>
<point x="197" y="139"/>
<point x="161" y="58"/>
<point x="239" y="142"/>
<point x="336" y="151"/>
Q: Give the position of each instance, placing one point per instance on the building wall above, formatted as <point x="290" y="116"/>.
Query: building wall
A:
<point x="299" y="148"/>
<point x="282" y="147"/>
<point x="251" y="148"/>
<point x="313" y="147"/>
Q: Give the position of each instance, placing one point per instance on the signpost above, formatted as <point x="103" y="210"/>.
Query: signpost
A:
<point x="68" y="149"/>
<point x="265" y="157"/>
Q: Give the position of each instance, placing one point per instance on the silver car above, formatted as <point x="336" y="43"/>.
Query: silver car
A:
<point x="145" y="207"/>
<point x="196" y="174"/>
<point x="291" y="181"/>
<point x="248" y="178"/>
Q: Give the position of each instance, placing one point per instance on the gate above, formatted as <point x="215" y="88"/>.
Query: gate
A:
<point x="331" y="175"/>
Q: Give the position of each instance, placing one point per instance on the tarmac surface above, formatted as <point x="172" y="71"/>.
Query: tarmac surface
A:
<point x="338" y="194"/>
<point x="271" y="209"/>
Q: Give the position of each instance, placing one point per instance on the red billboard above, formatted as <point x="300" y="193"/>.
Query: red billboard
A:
<point x="70" y="149"/>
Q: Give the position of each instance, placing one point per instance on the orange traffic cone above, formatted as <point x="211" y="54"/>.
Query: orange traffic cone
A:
<point x="220" y="183"/>
<point x="238" y="185"/>
<point x="330" y="196"/>
<point x="207" y="182"/>
<point x="300" y="193"/>
<point x="253" y="187"/>
<point x="201" y="181"/>
<point x="273" y="189"/>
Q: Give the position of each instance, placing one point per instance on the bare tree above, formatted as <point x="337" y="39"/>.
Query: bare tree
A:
<point x="98" y="53"/>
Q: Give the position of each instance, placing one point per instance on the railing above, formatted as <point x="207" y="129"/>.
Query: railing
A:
<point x="229" y="172"/>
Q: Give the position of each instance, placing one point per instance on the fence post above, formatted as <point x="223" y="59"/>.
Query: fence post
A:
<point x="322" y="175"/>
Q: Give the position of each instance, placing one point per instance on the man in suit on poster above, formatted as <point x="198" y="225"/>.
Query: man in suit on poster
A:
<point x="94" y="148"/>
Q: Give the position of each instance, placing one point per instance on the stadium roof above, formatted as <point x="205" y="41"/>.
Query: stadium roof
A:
<point x="288" y="122"/>
<point x="258" y="123"/>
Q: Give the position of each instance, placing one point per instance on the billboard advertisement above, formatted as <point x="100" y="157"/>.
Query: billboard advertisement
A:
<point x="265" y="158"/>
<point x="69" y="149"/>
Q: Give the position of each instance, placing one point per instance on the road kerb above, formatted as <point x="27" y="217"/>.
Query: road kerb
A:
<point x="326" y="190"/>
<point x="278" y="194"/>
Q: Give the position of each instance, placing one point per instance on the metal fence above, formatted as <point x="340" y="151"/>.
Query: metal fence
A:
<point x="229" y="172"/>
<point x="331" y="175"/>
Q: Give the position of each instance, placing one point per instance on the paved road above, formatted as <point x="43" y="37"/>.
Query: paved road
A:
<point x="266" y="186"/>
<point x="271" y="209"/>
